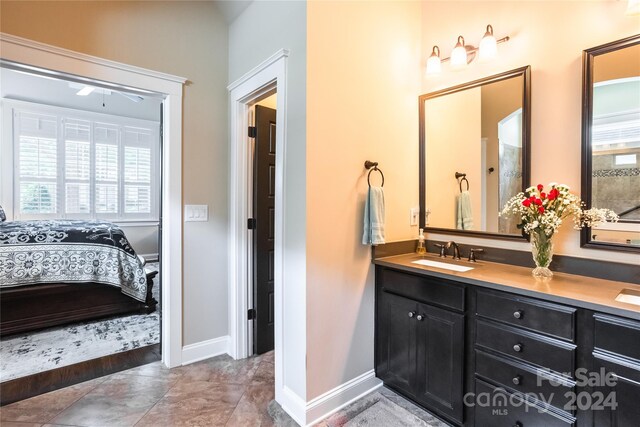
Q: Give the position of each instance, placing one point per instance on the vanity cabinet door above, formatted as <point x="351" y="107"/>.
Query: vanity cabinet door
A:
<point x="440" y="360"/>
<point x="396" y="341"/>
<point x="625" y="395"/>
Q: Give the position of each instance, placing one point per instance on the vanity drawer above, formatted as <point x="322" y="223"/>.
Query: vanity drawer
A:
<point x="545" y="352"/>
<point x="523" y="378"/>
<point x="506" y="410"/>
<point x="422" y="288"/>
<point x="617" y="335"/>
<point x="551" y="319"/>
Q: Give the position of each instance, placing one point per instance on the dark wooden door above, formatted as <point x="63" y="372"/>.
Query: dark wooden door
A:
<point x="396" y="341"/>
<point x="264" y="193"/>
<point x="440" y="360"/>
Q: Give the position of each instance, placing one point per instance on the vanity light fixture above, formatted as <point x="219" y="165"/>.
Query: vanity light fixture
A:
<point x="433" y="63"/>
<point x="459" y="54"/>
<point x="464" y="54"/>
<point x="633" y="8"/>
<point x="85" y="91"/>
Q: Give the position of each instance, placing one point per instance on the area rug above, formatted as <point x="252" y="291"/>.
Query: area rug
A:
<point x="26" y="354"/>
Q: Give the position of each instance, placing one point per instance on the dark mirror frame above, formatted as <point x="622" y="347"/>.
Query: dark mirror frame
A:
<point x="588" y="57"/>
<point x="525" y="72"/>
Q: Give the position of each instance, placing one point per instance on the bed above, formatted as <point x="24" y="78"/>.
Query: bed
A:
<point x="54" y="272"/>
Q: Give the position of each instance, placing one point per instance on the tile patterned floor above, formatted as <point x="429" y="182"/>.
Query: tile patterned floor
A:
<point x="215" y="392"/>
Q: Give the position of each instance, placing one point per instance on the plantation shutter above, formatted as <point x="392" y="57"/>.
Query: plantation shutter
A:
<point x="137" y="170"/>
<point x="37" y="163"/>
<point x="81" y="165"/>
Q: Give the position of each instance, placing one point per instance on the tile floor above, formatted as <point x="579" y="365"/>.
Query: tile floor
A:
<point x="215" y="392"/>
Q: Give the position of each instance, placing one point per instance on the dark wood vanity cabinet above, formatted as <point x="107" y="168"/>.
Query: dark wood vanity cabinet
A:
<point x="420" y="346"/>
<point x="444" y="344"/>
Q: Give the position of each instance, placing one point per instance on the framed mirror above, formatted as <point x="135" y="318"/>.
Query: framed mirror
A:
<point x="611" y="142"/>
<point x="475" y="154"/>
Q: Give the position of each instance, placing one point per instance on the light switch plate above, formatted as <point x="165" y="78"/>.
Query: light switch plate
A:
<point x="414" y="214"/>
<point x="195" y="213"/>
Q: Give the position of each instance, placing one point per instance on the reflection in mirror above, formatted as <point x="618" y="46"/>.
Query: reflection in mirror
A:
<point x="611" y="141"/>
<point x="475" y="153"/>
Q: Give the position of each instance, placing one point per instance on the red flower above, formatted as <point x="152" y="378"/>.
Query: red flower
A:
<point x="540" y="187"/>
<point x="553" y="194"/>
<point x="527" y="202"/>
<point x="541" y="209"/>
<point x="543" y="196"/>
<point x="538" y="202"/>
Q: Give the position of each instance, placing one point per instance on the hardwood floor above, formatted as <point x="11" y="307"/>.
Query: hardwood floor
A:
<point x="215" y="392"/>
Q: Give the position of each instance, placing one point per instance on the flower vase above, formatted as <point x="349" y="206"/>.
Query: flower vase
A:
<point x="542" y="251"/>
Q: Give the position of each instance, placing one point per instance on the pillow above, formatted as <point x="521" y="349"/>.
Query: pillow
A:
<point x="3" y="217"/>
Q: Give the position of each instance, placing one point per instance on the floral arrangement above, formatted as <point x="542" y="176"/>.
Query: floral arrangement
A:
<point x="542" y="212"/>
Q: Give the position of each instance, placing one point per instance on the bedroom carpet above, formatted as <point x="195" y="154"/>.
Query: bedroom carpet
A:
<point x="26" y="354"/>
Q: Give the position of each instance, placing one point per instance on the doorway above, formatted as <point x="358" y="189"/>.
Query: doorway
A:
<point x="262" y="138"/>
<point x="108" y="75"/>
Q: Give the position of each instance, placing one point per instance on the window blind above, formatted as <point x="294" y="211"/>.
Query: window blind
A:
<point x="85" y="167"/>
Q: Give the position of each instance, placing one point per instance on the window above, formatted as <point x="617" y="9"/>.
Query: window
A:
<point x="84" y="165"/>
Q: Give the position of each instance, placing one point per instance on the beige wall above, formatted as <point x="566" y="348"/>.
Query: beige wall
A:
<point x="362" y="86"/>
<point x="452" y="144"/>
<point x="549" y="36"/>
<point x="184" y="38"/>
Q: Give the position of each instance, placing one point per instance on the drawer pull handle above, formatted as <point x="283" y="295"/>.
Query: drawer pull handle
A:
<point x="518" y="348"/>
<point x="420" y="317"/>
<point x="518" y="424"/>
<point x="518" y="314"/>
<point x="517" y="380"/>
<point x="412" y="313"/>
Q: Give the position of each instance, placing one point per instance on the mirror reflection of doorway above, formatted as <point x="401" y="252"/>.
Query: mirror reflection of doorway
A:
<point x="510" y="159"/>
<point x="84" y="161"/>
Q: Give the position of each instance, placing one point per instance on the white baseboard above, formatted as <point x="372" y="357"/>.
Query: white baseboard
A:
<point x="292" y="404"/>
<point x="332" y="401"/>
<point x="205" y="349"/>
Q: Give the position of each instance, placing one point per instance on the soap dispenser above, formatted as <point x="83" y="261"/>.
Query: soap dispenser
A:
<point x="421" y="250"/>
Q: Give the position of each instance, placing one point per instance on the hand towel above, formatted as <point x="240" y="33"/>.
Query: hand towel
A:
<point x="465" y="214"/>
<point x="374" y="217"/>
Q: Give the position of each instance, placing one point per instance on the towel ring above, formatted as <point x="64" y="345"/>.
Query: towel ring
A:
<point x="373" y="166"/>
<point x="464" y="178"/>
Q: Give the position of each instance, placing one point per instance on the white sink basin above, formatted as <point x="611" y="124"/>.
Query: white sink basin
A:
<point x="444" y="265"/>
<point x="629" y="296"/>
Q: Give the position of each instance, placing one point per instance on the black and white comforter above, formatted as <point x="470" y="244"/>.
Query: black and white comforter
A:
<point x="69" y="251"/>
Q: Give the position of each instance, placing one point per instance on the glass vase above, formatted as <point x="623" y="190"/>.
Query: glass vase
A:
<point x="542" y="251"/>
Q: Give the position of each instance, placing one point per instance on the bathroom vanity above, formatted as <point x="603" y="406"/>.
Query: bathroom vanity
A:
<point x="492" y="346"/>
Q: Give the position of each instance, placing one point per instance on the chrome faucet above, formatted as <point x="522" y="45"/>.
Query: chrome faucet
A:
<point x="456" y="249"/>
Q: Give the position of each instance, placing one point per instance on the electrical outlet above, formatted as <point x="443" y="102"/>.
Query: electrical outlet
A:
<point x="414" y="214"/>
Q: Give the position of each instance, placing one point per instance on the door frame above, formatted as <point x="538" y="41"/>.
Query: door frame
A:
<point x="55" y="60"/>
<point x="269" y="75"/>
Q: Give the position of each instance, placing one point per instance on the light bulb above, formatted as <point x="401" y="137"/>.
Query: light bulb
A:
<point x="459" y="54"/>
<point x="488" y="45"/>
<point x="433" y="63"/>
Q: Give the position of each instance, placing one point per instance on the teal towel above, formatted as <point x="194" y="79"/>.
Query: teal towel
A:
<point x="465" y="214"/>
<point x="374" y="217"/>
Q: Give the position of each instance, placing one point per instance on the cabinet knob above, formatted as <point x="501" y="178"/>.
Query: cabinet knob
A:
<point x="412" y="313"/>
<point x="518" y="424"/>
<point x="517" y="348"/>
<point x="420" y="317"/>
<point x="517" y="380"/>
<point x="518" y="314"/>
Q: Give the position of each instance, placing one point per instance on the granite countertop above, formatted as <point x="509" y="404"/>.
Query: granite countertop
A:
<point x="580" y="291"/>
